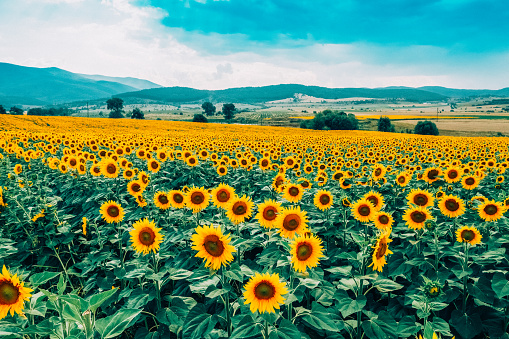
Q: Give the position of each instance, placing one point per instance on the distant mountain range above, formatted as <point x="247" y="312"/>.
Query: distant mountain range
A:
<point x="20" y="85"/>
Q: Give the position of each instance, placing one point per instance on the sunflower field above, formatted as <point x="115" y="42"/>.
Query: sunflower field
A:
<point x="151" y="229"/>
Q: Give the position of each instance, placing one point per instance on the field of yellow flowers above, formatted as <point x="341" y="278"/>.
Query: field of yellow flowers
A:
<point x="152" y="229"/>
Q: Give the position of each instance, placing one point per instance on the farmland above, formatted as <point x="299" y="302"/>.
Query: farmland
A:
<point x="170" y="229"/>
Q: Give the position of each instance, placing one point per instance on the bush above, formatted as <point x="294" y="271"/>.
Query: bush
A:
<point x="385" y="125"/>
<point x="332" y="120"/>
<point x="426" y="128"/>
<point x="200" y="118"/>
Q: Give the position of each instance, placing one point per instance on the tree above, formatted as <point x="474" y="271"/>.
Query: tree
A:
<point x="208" y="108"/>
<point x="16" y="110"/>
<point x="116" y="106"/>
<point x="2" y="110"/>
<point x="228" y="111"/>
<point x="200" y="118"/>
<point x="385" y="125"/>
<point x="332" y="120"/>
<point x="137" y="114"/>
<point x="426" y="128"/>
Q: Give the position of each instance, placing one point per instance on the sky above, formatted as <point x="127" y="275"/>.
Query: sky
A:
<point x="217" y="44"/>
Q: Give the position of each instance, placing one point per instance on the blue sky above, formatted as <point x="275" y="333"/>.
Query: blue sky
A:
<point x="231" y="43"/>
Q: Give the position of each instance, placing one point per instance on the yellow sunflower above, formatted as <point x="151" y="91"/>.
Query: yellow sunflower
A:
<point x="141" y="201"/>
<point x="292" y="221"/>
<point x="383" y="221"/>
<point x="379" y="171"/>
<point x="420" y="198"/>
<point x="278" y="182"/>
<point x="177" y="198"/>
<point x="306" y="252"/>
<point x="468" y="234"/>
<point x="84" y="226"/>
<point x="95" y="170"/>
<point x="403" y="179"/>
<point x="363" y="210"/>
<point x="381" y="251"/>
<point x="470" y="182"/>
<point x="18" y="169"/>
<point x="264" y="292"/>
<point x="162" y="200"/>
<point x="264" y="164"/>
<point x="451" y="206"/>
<point x="135" y="187"/>
<point x="112" y="212"/>
<point x="222" y="194"/>
<point x="153" y="165"/>
<point x="145" y="236"/>
<point x="415" y="217"/>
<point x="452" y="174"/>
<point x="268" y="212"/>
<point x="212" y="246"/>
<point x="192" y="161"/>
<point x="109" y="168"/>
<point x="239" y="209"/>
<point x="222" y="170"/>
<point x="197" y="198"/>
<point x="375" y="198"/>
<point x="13" y="294"/>
<point x="491" y="210"/>
<point x="292" y="192"/>
<point x="323" y="200"/>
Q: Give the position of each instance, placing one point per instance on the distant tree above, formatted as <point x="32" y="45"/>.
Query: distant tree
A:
<point x="116" y="106"/>
<point x="385" y="125"/>
<point x="426" y="128"/>
<point x="332" y="120"/>
<point x="200" y="118"/>
<point x="208" y="108"/>
<point x="16" y="110"/>
<point x="137" y="114"/>
<point x="228" y="111"/>
<point x="2" y="110"/>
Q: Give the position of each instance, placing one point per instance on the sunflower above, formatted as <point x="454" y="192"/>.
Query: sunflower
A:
<point x="292" y="192"/>
<point x="153" y="165"/>
<point x="403" y="179"/>
<point x="13" y="294"/>
<point x="345" y="202"/>
<point x="95" y="170"/>
<point x="84" y="226"/>
<point x="145" y="236"/>
<point x="264" y="292"/>
<point x="383" y="221"/>
<point x="141" y="201"/>
<point x="268" y="212"/>
<point x="222" y="170"/>
<point x="144" y="178"/>
<point x="345" y="183"/>
<point x="431" y="174"/>
<point x="420" y="198"/>
<point x="135" y="187"/>
<point x="451" y="206"/>
<point x="112" y="212"/>
<point x="381" y="251"/>
<point x="109" y="168"/>
<point x="470" y="182"/>
<point x="500" y="179"/>
<point x="239" y="209"/>
<point x="452" y="174"/>
<point x="162" y="200"/>
<point x="264" y="164"/>
<point x="416" y="217"/>
<point x="363" y="210"/>
<point x="192" y="161"/>
<point x="375" y="198"/>
<point x="305" y="183"/>
<point x="18" y="169"/>
<point x="197" y="198"/>
<point x="379" y="171"/>
<point x="323" y="200"/>
<point x="468" y="234"/>
<point x="212" y="246"/>
<point x="222" y="194"/>
<point x="292" y="221"/>
<point x="491" y="210"/>
<point x="306" y="252"/>
<point x="278" y="182"/>
<point x="177" y="198"/>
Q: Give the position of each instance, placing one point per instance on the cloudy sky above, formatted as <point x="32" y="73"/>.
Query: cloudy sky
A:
<point x="214" y="44"/>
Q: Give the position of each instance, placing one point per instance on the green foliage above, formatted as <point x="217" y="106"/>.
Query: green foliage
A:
<point x="426" y="128"/>
<point x="16" y="110"/>
<point x="331" y="120"/>
<point x="228" y="111"/>
<point x="137" y="114"/>
<point x="115" y="105"/>
<point x="208" y="108"/>
<point x="385" y="125"/>
<point x="2" y="110"/>
<point x="47" y="111"/>
<point x="200" y="118"/>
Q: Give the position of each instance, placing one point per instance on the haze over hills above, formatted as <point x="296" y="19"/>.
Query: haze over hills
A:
<point x="20" y="85"/>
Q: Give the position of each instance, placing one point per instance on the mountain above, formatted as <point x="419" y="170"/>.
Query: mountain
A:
<point x="277" y="92"/>
<point x="21" y="85"/>
<point x="139" y="84"/>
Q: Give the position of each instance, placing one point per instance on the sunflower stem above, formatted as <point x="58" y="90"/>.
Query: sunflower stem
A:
<point x="266" y="330"/>
<point x="465" y="266"/>
<point x="227" y="307"/>
<point x="156" y="282"/>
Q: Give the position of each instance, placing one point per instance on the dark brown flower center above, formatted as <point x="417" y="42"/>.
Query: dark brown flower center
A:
<point x="192" y="161"/>
<point x="239" y="208"/>
<point x="324" y="199"/>
<point x="467" y="235"/>
<point x="154" y="165"/>
<point x="111" y="169"/>
<point x="401" y="179"/>
<point x="72" y="162"/>
<point x="197" y="198"/>
<point x="432" y="174"/>
<point x="452" y="174"/>
<point x="147" y="236"/>
<point x="269" y="213"/>
<point x="163" y="199"/>
<point x="421" y="199"/>
<point x="291" y="222"/>
<point x="222" y="170"/>
<point x="304" y="251"/>
<point x="378" y="171"/>
<point x="97" y="170"/>
<point x="452" y="205"/>
<point x="113" y="211"/>
<point x="383" y="219"/>
<point x="213" y="245"/>
<point x="265" y="163"/>
<point x="382" y="248"/>
<point x="418" y="216"/>
<point x="364" y="210"/>
<point x="305" y="184"/>
<point x="223" y="195"/>
<point x="373" y="199"/>
<point x="9" y="293"/>
<point x="338" y="176"/>
<point x="264" y="290"/>
<point x="470" y="181"/>
<point x="178" y="198"/>
<point x="294" y="191"/>
<point x="136" y="187"/>
<point x="490" y="209"/>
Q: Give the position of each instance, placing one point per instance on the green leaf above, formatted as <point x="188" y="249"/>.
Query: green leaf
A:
<point x="216" y="292"/>
<point x="179" y="274"/>
<point x="246" y="328"/>
<point x="235" y="273"/>
<point x="286" y="330"/>
<point x="458" y="271"/>
<point x="468" y="326"/>
<point x="41" y="278"/>
<point x="407" y="326"/>
<point x="71" y="313"/>
<point x="97" y="300"/>
<point x="198" y="322"/>
<point x="310" y="283"/>
<point x="500" y="285"/>
<point x="62" y="284"/>
<point x="387" y="323"/>
<point x="440" y="325"/>
<point x="114" y="325"/>
<point x="482" y="290"/>
<point x="202" y="285"/>
<point x="319" y="319"/>
<point x="349" y="306"/>
<point x="372" y="330"/>
<point x="386" y="285"/>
